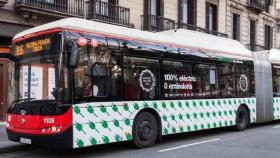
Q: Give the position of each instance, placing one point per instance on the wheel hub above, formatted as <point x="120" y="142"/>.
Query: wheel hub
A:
<point x="144" y="130"/>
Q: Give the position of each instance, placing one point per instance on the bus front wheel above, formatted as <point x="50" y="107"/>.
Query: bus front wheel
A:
<point x="242" y="118"/>
<point x="145" y="130"/>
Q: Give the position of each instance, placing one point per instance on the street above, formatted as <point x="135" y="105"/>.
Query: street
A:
<point x="257" y="142"/>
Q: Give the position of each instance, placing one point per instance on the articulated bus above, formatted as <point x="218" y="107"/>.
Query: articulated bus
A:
<point x="81" y="83"/>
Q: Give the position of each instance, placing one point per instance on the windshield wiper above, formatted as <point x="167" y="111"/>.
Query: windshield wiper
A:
<point x="21" y="100"/>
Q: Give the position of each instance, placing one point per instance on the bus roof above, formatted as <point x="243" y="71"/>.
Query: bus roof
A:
<point x="274" y="56"/>
<point x="218" y="46"/>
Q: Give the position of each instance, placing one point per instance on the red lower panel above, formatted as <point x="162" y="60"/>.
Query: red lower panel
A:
<point x="36" y="124"/>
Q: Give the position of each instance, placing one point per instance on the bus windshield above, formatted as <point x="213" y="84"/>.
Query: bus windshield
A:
<point x="37" y="77"/>
<point x="42" y="69"/>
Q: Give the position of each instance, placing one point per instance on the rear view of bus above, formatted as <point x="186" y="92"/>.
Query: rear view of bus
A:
<point x="41" y="114"/>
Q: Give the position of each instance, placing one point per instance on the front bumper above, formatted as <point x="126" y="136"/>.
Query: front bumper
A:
<point x="61" y="140"/>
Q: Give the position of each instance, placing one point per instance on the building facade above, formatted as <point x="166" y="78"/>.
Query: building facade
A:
<point x="206" y="16"/>
<point x="278" y="24"/>
<point x="253" y="23"/>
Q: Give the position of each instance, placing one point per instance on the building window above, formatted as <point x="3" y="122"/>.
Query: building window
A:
<point x="236" y="26"/>
<point x="187" y="11"/>
<point x="268" y="35"/>
<point x="268" y="3"/>
<point x="49" y="1"/>
<point x="105" y="7"/>
<point x="154" y="7"/>
<point x="211" y="17"/>
<point x="252" y="33"/>
<point x="5" y="41"/>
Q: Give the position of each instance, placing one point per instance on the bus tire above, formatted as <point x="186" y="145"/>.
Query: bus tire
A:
<point x="145" y="130"/>
<point x="242" y="118"/>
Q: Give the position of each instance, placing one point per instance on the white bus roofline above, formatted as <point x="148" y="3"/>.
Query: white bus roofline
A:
<point x="274" y="56"/>
<point x="184" y="38"/>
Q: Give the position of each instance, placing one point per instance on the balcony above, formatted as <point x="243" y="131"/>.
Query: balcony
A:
<point x="255" y="47"/>
<point x="50" y="8"/>
<point x="155" y="23"/>
<point x="199" y="29"/>
<point x="257" y="5"/>
<point x="107" y="12"/>
<point x="3" y="2"/>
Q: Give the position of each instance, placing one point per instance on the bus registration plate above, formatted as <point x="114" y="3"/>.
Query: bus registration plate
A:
<point x="25" y="140"/>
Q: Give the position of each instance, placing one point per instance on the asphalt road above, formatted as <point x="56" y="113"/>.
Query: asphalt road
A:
<point x="261" y="141"/>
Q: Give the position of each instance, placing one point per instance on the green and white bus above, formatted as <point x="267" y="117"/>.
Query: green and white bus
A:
<point x="81" y="83"/>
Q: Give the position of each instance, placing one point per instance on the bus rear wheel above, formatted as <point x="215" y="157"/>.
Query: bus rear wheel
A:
<point x="145" y="130"/>
<point x="242" y="118"/>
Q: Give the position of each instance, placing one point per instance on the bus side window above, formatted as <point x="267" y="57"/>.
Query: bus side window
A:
<point x="140" y="78"/>
<point x="81" y="76"/>
<point x="243" y="80"/>
<point x="214" y="81"/>
<point x="202" y="86"/>
<point x="276" y="80"/>
<point x="106" y="73"/>
<point x="115" y="77"/>
<point x="177" y="80"/>
<point x="92" y="74"/>
<point x="252" y="81"/>
<point x="206" y="85"/>
<point x="227" y="80"/>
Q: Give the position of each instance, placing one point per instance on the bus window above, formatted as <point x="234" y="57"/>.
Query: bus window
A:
<point x="276" y="80"/>
<point x="243" y="79"/>
<point x="82" y="76"/>
<point x="115" y="77"/>
<point x="227" y="81"/>
<point x="99" y="69"/>
<point x="177" y="80"/>
<point x="42" y="73"/>
<point x="98" y="74"/>
<point x="107" y="74"/>
<point x="252" y="81"/>
<point x="140" y="78"/>
<point x="206" y="85"/>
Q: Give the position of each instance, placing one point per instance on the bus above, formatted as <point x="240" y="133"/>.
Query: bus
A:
<point x="80" y="83"/>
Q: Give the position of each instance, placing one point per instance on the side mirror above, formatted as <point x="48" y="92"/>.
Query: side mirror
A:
<point x="75" y="56"/>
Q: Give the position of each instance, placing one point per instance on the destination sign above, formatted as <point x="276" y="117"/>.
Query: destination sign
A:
<point x="33" y="46"/>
